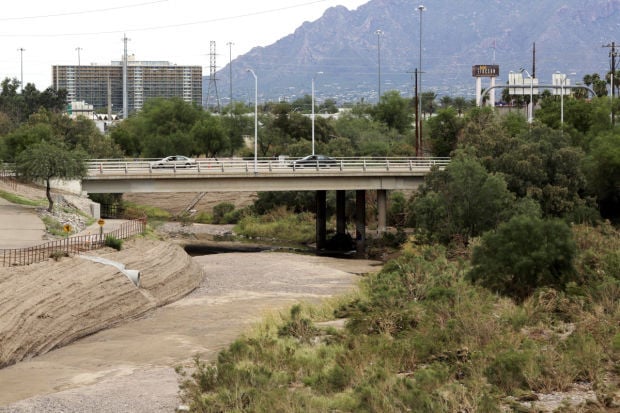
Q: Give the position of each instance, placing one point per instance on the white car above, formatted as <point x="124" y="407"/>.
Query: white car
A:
<point x="178" y="161"/>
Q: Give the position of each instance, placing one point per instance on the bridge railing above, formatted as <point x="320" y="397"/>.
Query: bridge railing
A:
<point x="266" y="165"/>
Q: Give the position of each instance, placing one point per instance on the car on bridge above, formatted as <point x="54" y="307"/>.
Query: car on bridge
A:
<point x="174" y="161"/>
<point x="314" y="161"/>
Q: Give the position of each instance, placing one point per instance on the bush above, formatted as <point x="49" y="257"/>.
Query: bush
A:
<point x="523" y="254"/>
<point x="113" y="242"/>
<point x="220" y="211"/>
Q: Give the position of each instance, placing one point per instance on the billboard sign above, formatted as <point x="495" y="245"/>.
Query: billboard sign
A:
<point x="485" y="71"/>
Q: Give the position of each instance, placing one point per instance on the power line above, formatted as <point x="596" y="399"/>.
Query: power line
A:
<point x="45" y="16"/>
<point x="172" y="26"/>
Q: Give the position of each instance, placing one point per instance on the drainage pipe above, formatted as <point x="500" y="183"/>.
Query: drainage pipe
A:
<point x="133" y="275"/>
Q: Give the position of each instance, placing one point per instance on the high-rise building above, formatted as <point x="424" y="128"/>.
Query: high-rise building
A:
<point x="102" y="86"/>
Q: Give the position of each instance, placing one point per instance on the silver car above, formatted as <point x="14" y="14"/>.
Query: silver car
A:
<point x="178" y="161"/>
<point x="314" y="161"/>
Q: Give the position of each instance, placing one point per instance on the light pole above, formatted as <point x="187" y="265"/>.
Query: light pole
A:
<point x="313" y="77"/>
<point x="21" y="51"/>
<point x="421" y="9"/>
<point x="563" y="83"/>
<point x="255" y="119"/>
<point x="379" y="33"/>
<point x="530" y="114"/>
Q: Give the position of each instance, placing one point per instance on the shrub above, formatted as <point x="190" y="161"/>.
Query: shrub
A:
<point x="507" y="371"/>
<point x="58" y="254"/>
<point x="203" y="218"/>
<point x="113" y="242"/>
<point x="299" y="327"/>
<point x="220" y="211"/>
<point x="523" y="254"/>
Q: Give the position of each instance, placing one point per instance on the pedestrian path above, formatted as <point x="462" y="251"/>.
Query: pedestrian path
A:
<point x="20" y="226"/>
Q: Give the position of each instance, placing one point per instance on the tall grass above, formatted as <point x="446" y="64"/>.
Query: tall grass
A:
<point x="279" y="224"/>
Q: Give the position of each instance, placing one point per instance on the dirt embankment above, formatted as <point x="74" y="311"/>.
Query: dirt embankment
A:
<point x="38" y="315"/>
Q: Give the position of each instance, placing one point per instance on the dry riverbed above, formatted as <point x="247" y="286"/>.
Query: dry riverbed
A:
<point x="129" y="365"/>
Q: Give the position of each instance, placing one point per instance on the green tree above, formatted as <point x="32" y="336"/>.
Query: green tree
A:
<point x="19" y="106"/>
<point x="461" y="202"/>
<point x="328" y="106"/>
<point x="443" y="131"/>
<point x="46" y="161"/>
<point x="428" y="102"/>
<point x="209" y="136"/>
<point x="460" y="104"/>
<point x="238" y="124"/>
<point x="523" y="254"/>
<point x="46" y="125"/>
<point x="596" y="83"/>
<point x="394" y="111"/>
<point x="23" y="137"/>
<point x="446" y="102"/>
<point x="161" y="128"/>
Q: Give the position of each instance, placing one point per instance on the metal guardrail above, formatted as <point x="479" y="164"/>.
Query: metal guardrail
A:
<point x="266" y="166"/>
<point x="70" y="245"/>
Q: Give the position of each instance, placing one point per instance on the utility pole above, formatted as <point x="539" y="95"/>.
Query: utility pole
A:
<point x="534" y="60"/>
<point x="612" y="54"/>
<point x="77" y="82"/>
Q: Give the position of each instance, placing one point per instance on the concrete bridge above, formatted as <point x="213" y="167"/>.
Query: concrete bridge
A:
<point x="258" y="175"/>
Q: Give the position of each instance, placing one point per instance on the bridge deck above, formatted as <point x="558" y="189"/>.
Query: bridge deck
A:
<point x="119" y="176"/>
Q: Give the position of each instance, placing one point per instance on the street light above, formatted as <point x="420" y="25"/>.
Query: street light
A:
<point x="563" y="78"/>
<point x="21" y="51"/>
<point x="313" y="77"/>
<point x="530" y="114"/>
<point x="255" y="119"/>
<point x="421" y="8"/>
<point x="379" y="33"/>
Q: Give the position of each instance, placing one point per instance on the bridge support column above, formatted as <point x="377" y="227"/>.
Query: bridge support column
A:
<point x="321" y="219"/>
<point x="360" y="222"/>
<point x="341" y="217"/>
<point x="381" y="210"/>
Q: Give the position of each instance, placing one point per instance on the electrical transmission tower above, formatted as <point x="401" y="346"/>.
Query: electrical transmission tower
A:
<point x="212" y="78"/>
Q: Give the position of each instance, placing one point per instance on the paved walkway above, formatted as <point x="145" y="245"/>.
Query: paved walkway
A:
<point x="20" y="226"/>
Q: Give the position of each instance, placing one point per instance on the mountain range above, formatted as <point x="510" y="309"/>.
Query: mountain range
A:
<point x="541" y="36"/>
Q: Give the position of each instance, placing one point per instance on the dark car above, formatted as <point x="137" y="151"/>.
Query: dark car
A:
<point x="178" y="161"/>
<point x="314" y="161"/>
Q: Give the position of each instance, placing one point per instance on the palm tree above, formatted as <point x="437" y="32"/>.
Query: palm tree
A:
<point x="460" y="104"/>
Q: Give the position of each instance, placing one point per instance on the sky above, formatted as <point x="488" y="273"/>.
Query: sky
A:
<point x="36" y="34"/>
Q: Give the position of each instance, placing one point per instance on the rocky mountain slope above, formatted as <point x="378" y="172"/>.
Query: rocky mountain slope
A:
<point x="569" y="36"/>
